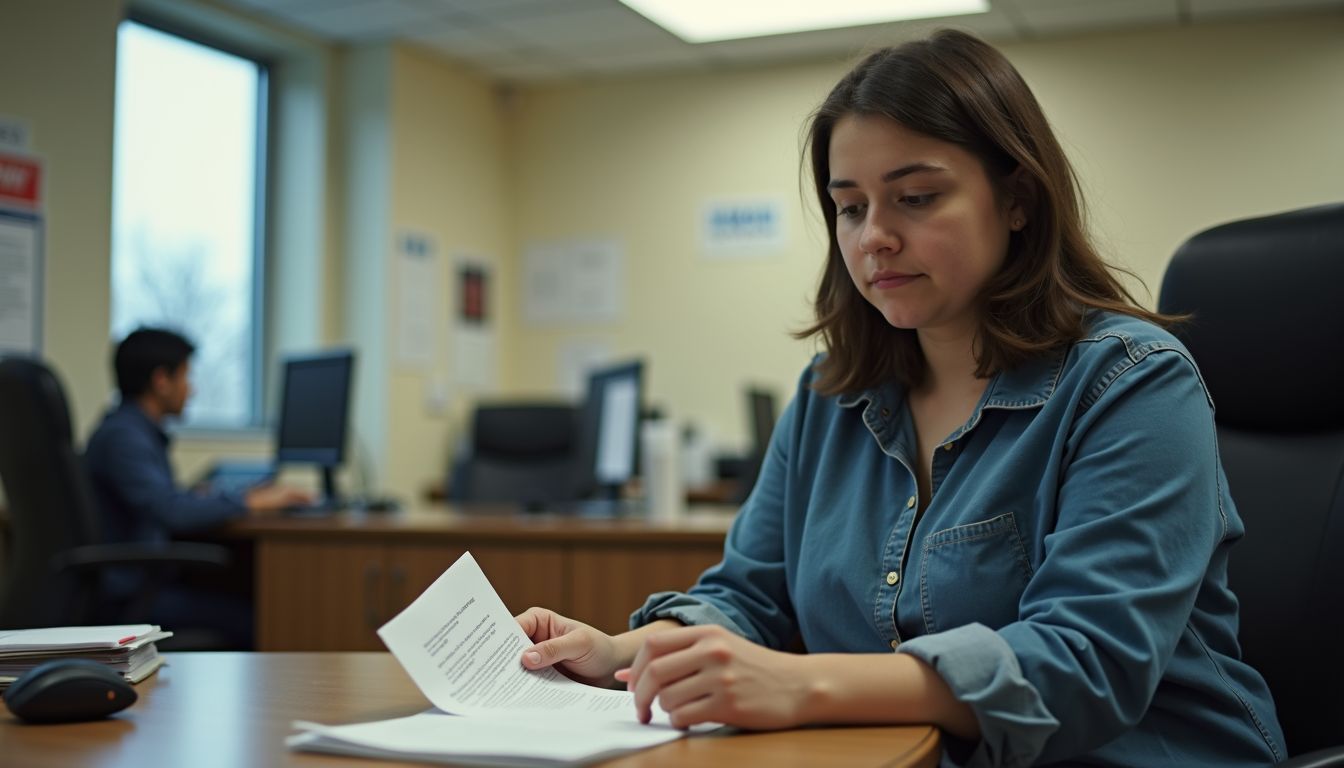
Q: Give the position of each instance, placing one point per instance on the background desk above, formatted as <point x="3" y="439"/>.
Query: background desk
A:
<point x="235" y="709"/>
<point x="328" y="584"/>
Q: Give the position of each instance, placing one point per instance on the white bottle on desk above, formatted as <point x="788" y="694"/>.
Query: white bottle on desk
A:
<point x="660" y="466"/>
<point x="697" y="459"/>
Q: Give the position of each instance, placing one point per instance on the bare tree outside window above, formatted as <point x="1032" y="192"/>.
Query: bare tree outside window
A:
<point x="186" y="211"/>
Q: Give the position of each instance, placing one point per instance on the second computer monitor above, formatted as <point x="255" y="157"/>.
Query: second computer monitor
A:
<point x="761" y="415"/>
<point x="761" y="405"/>
<point x="611" y="426"/>
<point x="314" y="411"/>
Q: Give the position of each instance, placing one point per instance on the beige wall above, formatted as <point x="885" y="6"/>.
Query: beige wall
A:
<point x="448" y="182"/>
<point x="1172" y="130"/>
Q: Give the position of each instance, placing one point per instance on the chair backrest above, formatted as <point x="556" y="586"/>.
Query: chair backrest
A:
<point x="1268" y="334"/>
<point x="524" y="453"/>
<point x="50" y="505"/>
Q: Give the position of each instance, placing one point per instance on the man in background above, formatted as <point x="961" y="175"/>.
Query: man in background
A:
<point x="140" y="501"/>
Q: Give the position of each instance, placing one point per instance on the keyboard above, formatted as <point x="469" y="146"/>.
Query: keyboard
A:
<point x="311" y="510"/>
<point x="371" y="505"/>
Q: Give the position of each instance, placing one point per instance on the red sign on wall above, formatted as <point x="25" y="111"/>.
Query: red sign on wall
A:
<point x="20" y="179"/>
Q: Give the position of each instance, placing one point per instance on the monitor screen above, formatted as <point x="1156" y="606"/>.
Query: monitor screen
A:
<point x="613" y="408"/>
<point x="761" y="403"/>
<point x="761" y="414"/>
<point x="314" y="409"/>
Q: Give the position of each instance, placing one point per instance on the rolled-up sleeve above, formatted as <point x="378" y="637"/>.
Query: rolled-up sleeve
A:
<point x="982" y="670"/>
<point x="1139" y="515"/>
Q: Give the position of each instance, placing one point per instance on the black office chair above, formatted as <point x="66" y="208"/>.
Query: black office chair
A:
<point x="1268" y="335"/>
<point x="52" y="557"/>
<point x="521" y="453"/>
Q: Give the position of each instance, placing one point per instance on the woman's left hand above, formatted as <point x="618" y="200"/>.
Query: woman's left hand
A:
<point x="707" y="674"/>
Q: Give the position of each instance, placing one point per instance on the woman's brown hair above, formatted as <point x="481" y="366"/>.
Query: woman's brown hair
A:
<point x="959" y="89"/>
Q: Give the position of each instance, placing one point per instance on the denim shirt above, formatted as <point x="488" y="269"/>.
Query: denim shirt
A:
<point x="1068" y="579"/>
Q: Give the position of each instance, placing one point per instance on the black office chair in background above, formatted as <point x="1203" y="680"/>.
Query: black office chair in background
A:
<point x="1268" y="335"/>
<point x="521" y="453"/>
<point x="52" y="555"/>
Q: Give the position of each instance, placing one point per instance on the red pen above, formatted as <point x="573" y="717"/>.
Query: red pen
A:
<point x="125" y="639"/>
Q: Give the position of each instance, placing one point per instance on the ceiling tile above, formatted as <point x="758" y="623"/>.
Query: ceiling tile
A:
<point x="610" y="28"/>
<point x="546" y="39"/>
<point x="465" y="40"/>
<point x="369" y="19"/>
<point x="499" y="10"/>
<point x="293" y="5"/>
<point x="811" y="44"/>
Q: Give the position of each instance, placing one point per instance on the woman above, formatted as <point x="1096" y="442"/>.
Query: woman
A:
<point x="1002" y="469"/>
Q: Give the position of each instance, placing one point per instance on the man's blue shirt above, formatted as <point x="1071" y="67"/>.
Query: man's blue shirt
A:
<point x="138" y="499"/>
<point x="1068" y="578"/>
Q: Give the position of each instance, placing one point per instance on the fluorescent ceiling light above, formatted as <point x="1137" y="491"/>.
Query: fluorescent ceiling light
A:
<point x="704" y="21"/>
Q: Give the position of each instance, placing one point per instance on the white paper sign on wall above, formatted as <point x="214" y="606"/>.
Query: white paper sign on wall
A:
<point x="742" y="227"/>
<point x="579" y="282"/>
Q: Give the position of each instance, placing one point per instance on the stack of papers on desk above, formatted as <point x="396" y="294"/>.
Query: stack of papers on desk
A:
<point x="463" y="649"/>
<point x="127" y="648"/>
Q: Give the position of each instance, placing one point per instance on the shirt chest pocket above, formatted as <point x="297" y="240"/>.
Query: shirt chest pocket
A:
<point x="974" y="572"/>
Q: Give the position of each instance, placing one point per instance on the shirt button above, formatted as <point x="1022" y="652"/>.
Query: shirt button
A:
<point x="893" y="577"/>
<point x="910" y="503"/>
<point x="895" y="644"/>
<point x="886" y="412"/>
<point x="947" y="447"/>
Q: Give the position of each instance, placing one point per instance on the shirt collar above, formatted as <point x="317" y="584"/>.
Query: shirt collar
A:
<point x="136" y="415"/>
<point x="1029" y="385"/>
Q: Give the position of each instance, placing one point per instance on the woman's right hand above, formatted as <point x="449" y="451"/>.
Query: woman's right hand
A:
<point x="577" y="650"/>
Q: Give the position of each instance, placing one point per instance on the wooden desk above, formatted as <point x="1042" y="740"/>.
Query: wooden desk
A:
<point x="328" y="584"/>
<point x="235" y="709"/>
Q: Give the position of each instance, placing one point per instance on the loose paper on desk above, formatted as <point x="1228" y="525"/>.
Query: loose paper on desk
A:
<point x="464" y="650"/>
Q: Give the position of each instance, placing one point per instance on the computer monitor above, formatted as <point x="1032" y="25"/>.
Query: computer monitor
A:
<point x="761" y="413"/>
<point x="761" y="407"/>
<point x="314" y="411"/>
<point x="611" y="426"/>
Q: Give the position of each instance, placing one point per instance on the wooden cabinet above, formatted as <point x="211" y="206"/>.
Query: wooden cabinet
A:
<point x="328" y="585"/>
<point x="332" y="596"/>
<point x="323" y="597"/>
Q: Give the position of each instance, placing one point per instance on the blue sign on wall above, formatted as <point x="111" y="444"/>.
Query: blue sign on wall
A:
<point x="739" y="227"/>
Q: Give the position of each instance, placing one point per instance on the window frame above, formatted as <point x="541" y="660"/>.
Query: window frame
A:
<point x="260" y="320"/>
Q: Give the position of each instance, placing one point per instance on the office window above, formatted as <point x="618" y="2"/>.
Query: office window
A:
<point x="187" y="203"/>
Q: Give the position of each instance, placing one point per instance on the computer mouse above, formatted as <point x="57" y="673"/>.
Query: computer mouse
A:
<point x="68" y="690"/>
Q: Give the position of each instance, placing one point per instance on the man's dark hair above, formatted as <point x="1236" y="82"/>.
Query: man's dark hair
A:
<point x="145" y="351"/>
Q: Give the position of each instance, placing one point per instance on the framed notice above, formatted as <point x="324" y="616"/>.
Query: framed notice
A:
<point x="20" y="282"/>
<point x="20" y="253"/>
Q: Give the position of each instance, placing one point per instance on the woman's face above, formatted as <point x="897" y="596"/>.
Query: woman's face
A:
<point x="918" y="223"/>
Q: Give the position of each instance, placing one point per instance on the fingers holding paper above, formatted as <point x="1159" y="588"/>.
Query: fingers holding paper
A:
<point x="577" y="650"/>
<point x="708" y="674"/>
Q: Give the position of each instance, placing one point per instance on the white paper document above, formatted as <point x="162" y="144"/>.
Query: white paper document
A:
<point x="438" y="737"/>
<point x="126" y="648"/>
<point x="125" y="637"/>
<point x="463" y="649"/>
